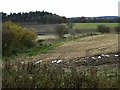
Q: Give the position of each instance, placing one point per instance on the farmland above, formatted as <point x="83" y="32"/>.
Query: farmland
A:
<point x="93" y="25"/>
<point x="83" y="27"/>
<point x="77" y="25"/>
<point x="89" y="59"/>
<point x="80" y="61"/>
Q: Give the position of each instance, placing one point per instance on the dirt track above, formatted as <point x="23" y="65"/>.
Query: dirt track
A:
<point x="88" y="46"/>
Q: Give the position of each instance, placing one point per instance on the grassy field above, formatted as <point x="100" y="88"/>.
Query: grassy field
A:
<point x="92" y="25"/>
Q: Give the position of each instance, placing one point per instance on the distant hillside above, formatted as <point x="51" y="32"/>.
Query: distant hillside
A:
<point x="108" y="17"/>
<point x="43" y="17"/>
<point x="34" y="17"/>
<point x="99" y="19"/>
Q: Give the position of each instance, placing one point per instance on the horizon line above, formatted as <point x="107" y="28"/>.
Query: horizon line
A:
<point x="8" y="13"/>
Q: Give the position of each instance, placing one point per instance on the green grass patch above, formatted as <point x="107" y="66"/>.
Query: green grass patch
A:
<point x="92" y="25"/>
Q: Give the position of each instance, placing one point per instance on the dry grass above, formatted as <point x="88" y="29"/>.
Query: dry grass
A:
<point x="106" y="43"/>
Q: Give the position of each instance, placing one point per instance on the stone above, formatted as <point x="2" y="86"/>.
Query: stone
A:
<point x="107" y="55"/>
<point x="99" y="56"/>
<point x="116" y="55"/>
<point x="38" y="62"/>
<point x="59" y="61"/>
<point x="54" y="61"/>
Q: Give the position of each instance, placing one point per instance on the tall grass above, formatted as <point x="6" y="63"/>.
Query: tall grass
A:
<point x="45" y="75"/>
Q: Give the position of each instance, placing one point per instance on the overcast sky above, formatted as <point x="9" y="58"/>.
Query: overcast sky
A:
<point x="68" y="8"/>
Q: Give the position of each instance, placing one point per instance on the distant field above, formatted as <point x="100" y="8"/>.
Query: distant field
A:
<point x="92" y="25"/>
<point x="43" y="28"/>
<point x="84" y="27"/>
<point x="49" y="28"/>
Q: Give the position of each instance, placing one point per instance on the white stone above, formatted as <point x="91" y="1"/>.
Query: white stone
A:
<point x="116" y="55"/>
<point x="54" y="61"/>
<point x="99" y="56"/>
<point x="107" y="55"/>
<point x="59" y="61"/>
<point x="38" y="62"/>
<point x="22" y="62"/>
<point x="102" y="55"/>
<point x="93" y="57"/>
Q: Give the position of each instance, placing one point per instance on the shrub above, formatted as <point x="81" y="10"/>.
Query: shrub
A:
<point x="6" y="41"/>
<point x="70" y="25"/>
<point x="28" y="38"/>
<point x="16" y="38"/>
<point x="117" y="29"/>
<point x="103" y="29"/>
<point x="61" y="30"/>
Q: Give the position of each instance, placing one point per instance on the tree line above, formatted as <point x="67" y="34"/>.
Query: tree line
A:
<point x="94" y="19"/>
<point x="43" y="17"/>
<point x="37" y="17"/>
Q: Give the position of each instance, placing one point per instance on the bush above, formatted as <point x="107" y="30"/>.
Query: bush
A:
<point x="70" y="25"/>
<point x="103" y="29"/>
<point x="16" y="38"/>
<point x="117" y="29"/>
<point x="61" y="30"/>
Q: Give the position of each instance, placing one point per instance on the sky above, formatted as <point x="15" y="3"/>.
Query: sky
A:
<point x="67" y="8"/>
